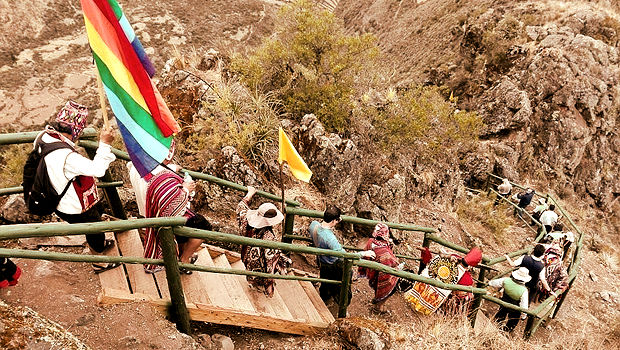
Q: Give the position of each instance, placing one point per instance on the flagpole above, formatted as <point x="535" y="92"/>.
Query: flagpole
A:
<point x="282" y="189"/>
<point x="104" y="111"/>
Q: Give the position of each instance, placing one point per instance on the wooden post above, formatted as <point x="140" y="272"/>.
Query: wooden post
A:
<point x="169" y="250"/>
<point x="486" y="184"/>
<point x="475" y="304"/>
<point x="345" y="287"/>
<point x="289" y="222"/>
<point x="425" y="244"/>
<point x="562" y="297"/>
<point x="110" y="193"/>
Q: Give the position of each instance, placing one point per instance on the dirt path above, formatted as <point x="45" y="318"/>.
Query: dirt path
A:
<point x="45" y="59"/>
<point x="67" y="292"/>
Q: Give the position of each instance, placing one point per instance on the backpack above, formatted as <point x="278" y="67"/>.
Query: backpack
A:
<point x="39" y="194"/>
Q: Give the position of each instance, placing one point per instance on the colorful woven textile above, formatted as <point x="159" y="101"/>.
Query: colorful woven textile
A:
<point x="260" y="259"/>
<point x="165" y="197"/>
<point x="382" y="283"/>
<point x="143" y="118"/>
<point x="425" y="298"/>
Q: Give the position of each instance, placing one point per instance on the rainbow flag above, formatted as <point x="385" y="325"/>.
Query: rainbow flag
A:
<point x="145" y="122"/>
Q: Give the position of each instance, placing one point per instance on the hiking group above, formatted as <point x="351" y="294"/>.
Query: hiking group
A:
<point x="58" y="179"/>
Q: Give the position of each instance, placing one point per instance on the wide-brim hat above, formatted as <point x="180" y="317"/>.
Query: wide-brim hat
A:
<point x="266" y="215"/>
<point x="522" y="274"/>
<point x="474" y="257"/>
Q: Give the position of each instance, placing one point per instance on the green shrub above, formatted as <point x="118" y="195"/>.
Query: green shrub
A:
<point x="236" y="117"/>
<point x="12" y="160"/>
<point x="423" y="120"/>
<point x="310" y="64"/>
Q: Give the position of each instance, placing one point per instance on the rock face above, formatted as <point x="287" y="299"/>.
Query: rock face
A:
<point x="335" y="162"/>
<point x="548" y="93"/>
<point x="557" y="110"/>
<point x="362" y="337"/>
<point x="15" y="211"/>
<point x="23" y="328"/>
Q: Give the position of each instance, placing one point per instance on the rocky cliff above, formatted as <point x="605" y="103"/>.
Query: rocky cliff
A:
<point x="544" y="76"/>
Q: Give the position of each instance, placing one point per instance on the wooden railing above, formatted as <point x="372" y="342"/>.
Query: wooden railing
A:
<point x="171" y="226"/>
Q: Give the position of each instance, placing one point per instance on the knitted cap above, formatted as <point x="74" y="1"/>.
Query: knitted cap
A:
<point x="73" y="115"/>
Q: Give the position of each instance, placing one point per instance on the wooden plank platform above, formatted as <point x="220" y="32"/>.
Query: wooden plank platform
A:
<point x="295" y="307"/>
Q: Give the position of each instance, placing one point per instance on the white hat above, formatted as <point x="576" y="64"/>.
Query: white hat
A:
<point x="266" y="215"/>
<point x="542" y="201"/>
<point x="570" y="236"/>
<point x="522" y="274"/>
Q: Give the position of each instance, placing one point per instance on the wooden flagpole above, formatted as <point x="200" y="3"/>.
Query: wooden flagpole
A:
<point x="283" y="204"/>
<point x="104" y="111"/>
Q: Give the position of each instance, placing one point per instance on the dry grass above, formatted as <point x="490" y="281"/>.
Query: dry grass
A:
<point x="480" y="209"/>
<point x="12" y="160"/>
<point x="454" y="332"/>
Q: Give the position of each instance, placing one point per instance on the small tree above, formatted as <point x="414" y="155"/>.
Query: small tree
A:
<point x="311" y="64"/>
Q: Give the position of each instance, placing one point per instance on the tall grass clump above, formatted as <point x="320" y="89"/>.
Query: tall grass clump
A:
<point x="481" y="209"/>
<point x="12" y="160"/>
<point x="247" y="120"/>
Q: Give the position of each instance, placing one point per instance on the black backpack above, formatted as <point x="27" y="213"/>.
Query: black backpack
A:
<point x="39" y="194"/>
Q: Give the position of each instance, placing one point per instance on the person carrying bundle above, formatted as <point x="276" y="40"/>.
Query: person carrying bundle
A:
<point x="259" y="224"/>
<point x="382" y="283"/>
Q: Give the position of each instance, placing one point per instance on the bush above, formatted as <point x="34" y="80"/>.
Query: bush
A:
<point x="310" y="64"/>
<point x="236" y="117"/>
<point x="12" y="160"/>
<point x="423" y="120"/>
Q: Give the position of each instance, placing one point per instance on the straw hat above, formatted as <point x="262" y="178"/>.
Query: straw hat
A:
<point x="522" y="274"/>
<point x="266" y="215"/>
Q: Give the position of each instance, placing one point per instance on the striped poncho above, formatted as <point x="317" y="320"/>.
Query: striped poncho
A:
<point x="165" y="197"/>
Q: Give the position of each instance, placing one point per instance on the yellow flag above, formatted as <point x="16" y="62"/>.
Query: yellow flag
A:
<point x="289" y="154"/>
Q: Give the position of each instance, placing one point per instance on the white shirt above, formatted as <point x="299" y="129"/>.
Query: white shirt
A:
<point x="504" y="188"/>
<point x="523" y="302"/>
<point x="548" y="217"/>
<point x="64" y="164"/>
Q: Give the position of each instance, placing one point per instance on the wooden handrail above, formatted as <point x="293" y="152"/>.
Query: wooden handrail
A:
<point x="57" y="256"/>
<point x="360" y="221"/>
<point x="197" y="175"/>
<point x="51" y="230"/>
<point x="29" y="136"/>
<point x="415" y="277"/>
<point x="236" y="239"/>
<point x="347" y="247"/>
<point x="20" y="189"/>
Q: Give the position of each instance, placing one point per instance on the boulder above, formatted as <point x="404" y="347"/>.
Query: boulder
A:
<point x="14" y="211"/>
<point x="364" y="338"/>
<point x="336" y="163"/>
<point x="222" y="342"/>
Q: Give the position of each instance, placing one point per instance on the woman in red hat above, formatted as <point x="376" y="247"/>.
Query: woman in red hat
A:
<point x="458" y="301"/>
